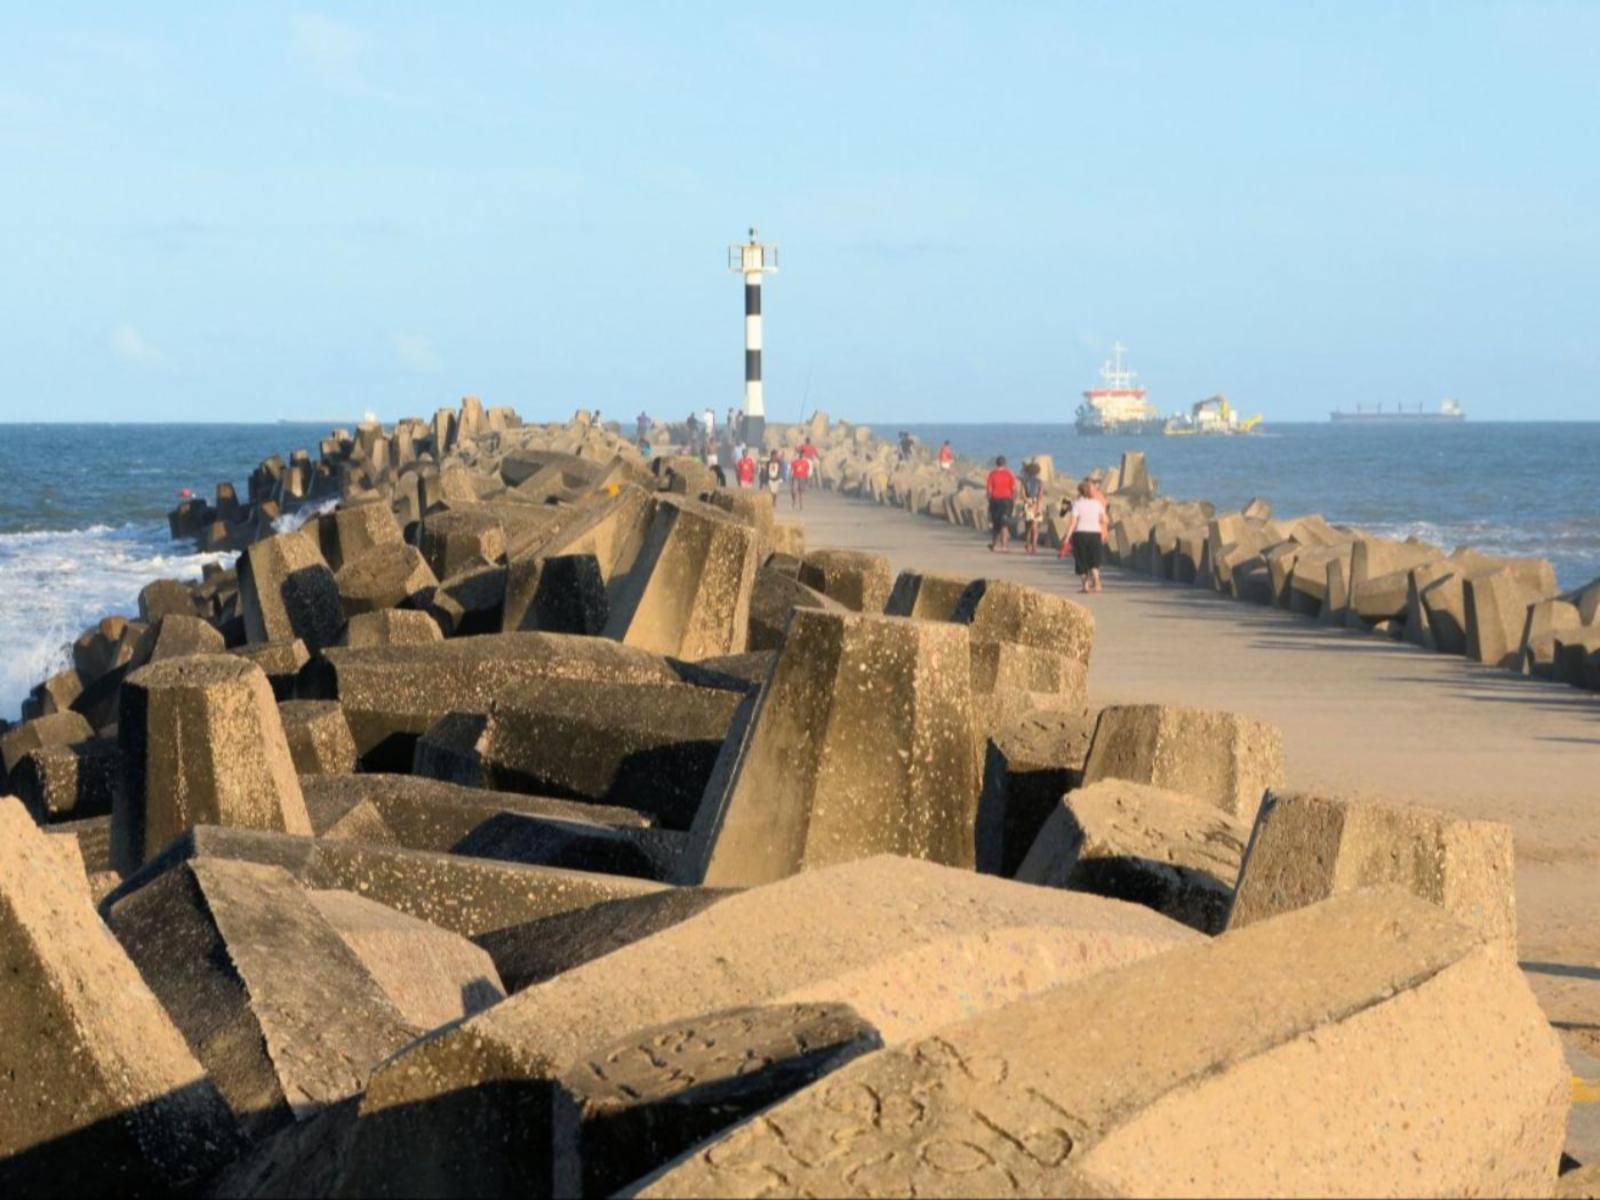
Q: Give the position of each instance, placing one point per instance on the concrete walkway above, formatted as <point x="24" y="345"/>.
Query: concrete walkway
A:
<point x="1358" y="713"/>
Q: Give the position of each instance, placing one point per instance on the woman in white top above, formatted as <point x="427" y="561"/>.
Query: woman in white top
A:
<point x="1086" y="534"/>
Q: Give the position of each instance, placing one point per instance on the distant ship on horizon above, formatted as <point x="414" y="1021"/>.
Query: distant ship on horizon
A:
<point x="1449" y="413"/>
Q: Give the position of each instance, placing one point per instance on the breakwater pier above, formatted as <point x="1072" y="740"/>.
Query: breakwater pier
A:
<point x="526" y="813"/>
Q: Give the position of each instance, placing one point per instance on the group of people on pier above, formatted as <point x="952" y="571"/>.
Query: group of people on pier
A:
<point x="1088" y="522"/>
<point x="798" y="470"/>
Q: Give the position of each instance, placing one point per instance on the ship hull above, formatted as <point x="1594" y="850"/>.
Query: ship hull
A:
<point x="1151" y="428"/>
<point x="1423" y="418"/>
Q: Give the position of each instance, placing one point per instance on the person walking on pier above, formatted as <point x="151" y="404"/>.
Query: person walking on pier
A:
<point x="799" y="481"/>
<point x="947" y="457"/>
<point x="745" y="468"/>
<point x="1001" y="488"/>
<point x="772" y="475"/>
<point x="1032" y="506"/>
<point x="1086" y="533"/>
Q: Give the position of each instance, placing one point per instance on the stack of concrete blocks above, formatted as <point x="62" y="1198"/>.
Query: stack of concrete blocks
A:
<point x="550" y="824"/>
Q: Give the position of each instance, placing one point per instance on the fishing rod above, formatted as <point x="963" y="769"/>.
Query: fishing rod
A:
<point x="805" y="396"/>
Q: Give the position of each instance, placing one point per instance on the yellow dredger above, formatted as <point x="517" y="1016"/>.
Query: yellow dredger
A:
<point x="1212" y="415"/>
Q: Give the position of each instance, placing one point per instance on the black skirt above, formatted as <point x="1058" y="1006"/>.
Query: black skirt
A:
<point x="1087" y="550"/>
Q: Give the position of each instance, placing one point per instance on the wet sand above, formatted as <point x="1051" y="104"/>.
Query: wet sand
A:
<point x="1358" y="714"/>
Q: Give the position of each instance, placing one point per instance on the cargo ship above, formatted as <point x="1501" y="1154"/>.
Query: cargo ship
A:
<point x="1117" y="407"/>
<point x="1449" y="412"/>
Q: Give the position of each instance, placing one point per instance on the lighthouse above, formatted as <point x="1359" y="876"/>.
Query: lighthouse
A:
<point x="753" y="260"/>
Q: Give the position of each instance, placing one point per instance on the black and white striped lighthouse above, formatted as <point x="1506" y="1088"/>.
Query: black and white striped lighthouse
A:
<point x="753" y="260"/>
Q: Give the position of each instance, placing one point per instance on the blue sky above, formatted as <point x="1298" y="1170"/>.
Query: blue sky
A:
<point x="215" y="212"/>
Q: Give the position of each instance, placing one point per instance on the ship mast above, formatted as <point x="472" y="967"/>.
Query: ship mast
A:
<point x="1112" y="373"/>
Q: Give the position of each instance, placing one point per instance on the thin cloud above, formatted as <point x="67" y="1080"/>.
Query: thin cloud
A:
<point x="127" y="345"/>
<point x="417" y="353"/>
<point x="337" y="52"/>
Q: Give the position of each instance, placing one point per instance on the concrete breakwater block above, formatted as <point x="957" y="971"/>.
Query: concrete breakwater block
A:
<point x="451" y="539"/>
<point x="628" y="1108"/>
<point x="470" y="602"/>
<point x="1303" y="1015"/>
<point x="285" y="665"/>
<point x="859" y="581"/>
<point x="273" y="1003"/>
<point x="860" y="743"/>
<point x="1443" y="599"/>
<point x="177" y="636"/>
<point x="1031" y="759"/>
<point x="427" y="814"/>
<point x="775" y="594"/>
<point x="202" y="744"/>
<point x="111" y="643"/>
<point x="165" y="597"/>
<point x="609" y="527"/>
<point x="69" y="783"/>
<point x="1418" y="620"/>
<point x="1129" y="841"/>
<point x="466" y="895"/>
<point x="52" y="729"/>
<point x="688" y="592"/>
<point x="851" y="934"/>
<point x="353" y="530"/>
<point x="287" y="591"/>
<point x="1496" y="611"/>
<point x="1547" y="622"/>
<point x="429" y="975"/>
<point x="318" y="736"/>
<point x="926" y="595"/>
<point x="100" y="1093"/>
<point x="1373" y="558"/>
<point x="1575" y="658"/>
<point x="646" y="746"/>
<point x="562" y="593"/>
<point x="1221" y="758"/>
<point x="538" y="950"/>
<point x="392" y="694"/>
<point x="995" y="610"/>
<point x="1306" y="847"/>
<point x="391" y="627"/>
<point x="1319" y="581"/>
<point x="384" y="577"/>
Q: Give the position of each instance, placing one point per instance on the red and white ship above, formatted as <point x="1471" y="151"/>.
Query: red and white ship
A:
<point x="1117" y="407"/>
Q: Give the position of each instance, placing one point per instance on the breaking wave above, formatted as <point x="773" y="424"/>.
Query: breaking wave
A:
<point x="55" y="583"/>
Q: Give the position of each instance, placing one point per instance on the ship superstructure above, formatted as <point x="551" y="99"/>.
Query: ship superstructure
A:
<point x="1117" y="406"/>
<point x="1213" y="415"/>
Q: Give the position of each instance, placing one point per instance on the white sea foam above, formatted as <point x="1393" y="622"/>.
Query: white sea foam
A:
<point x="55" y="584"/>
<point x="291" y="521"/>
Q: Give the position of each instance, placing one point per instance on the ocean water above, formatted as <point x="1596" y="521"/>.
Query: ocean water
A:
<point x="83" y="525"/>
<point x="83" y="507"/>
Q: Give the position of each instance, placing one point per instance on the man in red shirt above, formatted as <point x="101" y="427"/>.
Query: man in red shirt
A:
<point x="746" y="469"/>
<point x="947" y="457"/>
<point x="1001" y="487"/>
<point x="799" y="480"/>
<point x="809" y="451"/>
